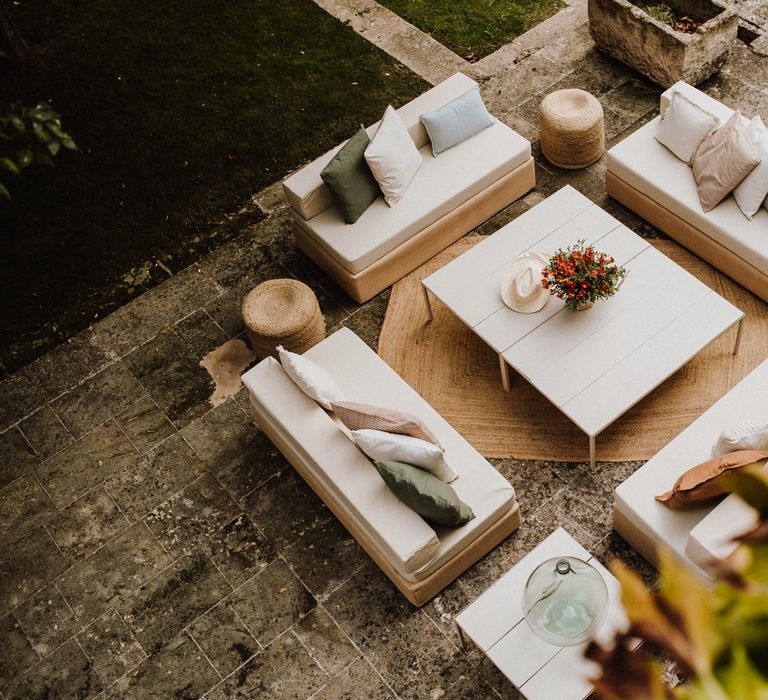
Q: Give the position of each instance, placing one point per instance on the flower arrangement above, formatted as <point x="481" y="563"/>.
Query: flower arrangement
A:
<point x="579" y="275"/>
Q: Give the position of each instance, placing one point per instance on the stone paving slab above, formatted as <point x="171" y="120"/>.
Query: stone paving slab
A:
<point x="400" y="39"/>
<point x="153" y="546"/>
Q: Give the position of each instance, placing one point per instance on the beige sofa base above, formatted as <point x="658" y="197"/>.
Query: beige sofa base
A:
<point x="417" y="592"/>
<point x="692" y="238"/>
<point x="367" y="283"/>
<point x="636" y="539"/>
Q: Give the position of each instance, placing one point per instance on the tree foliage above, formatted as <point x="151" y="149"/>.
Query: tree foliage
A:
<point x="718" y="638"/>
<point x="29" y="135"/>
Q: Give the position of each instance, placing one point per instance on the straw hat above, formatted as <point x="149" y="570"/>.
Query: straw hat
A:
<point x="521" y="287"/>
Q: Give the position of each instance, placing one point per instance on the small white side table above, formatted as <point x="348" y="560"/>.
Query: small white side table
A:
<point x="495" y="623"/>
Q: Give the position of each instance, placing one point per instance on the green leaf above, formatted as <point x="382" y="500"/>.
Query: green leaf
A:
<point x="41" y="133"/>
<point x="741" y="679"/>
<point x="9" y="165"/>
<point x="55" y="129"/>
<point x="69" y="143"/>
<point x="54" y="147"/>
<point x="693" y="604"/>
<point x="4" y="193"/>
<point x="746" y="620"/>
<point x="18" y="124"/>
<point x="43" y="111"/>
<point x="649" y="621"/>
<point x="752" y="485"/>
<point x="24" y="158"/>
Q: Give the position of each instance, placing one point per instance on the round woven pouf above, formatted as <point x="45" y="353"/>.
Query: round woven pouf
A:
<point x="282" y="312"/>
<point x="572" y="130"/>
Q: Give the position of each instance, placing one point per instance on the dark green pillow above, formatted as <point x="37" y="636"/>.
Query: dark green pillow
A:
<point x="426" y="494"/>
<point x="350" y="180"/>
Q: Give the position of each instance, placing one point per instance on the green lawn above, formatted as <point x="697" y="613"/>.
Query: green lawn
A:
<point x="474" y="28"/>
<point x="181" y="109"/>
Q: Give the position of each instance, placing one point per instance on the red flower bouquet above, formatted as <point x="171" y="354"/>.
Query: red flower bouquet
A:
<point x="579" y="275"/>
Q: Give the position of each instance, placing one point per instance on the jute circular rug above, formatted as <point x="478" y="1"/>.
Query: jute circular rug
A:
<point x="459" y="376"/>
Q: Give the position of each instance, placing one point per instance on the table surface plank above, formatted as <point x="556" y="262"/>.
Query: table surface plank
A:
<point x="592" y="365"/>
<point x="494" y="621"/>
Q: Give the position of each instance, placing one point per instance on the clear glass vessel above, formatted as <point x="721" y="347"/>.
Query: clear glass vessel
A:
<point x="565" y="601"/>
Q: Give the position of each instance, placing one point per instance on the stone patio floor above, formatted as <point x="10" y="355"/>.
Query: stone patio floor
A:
<point x="154" y="547"/>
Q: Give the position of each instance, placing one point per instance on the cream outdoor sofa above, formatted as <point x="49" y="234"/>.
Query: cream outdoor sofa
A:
<point x="695" y="537"/>
<point x="646" y="177"/>
<point x="450" y="195"/>
<point x="419" y="560"/>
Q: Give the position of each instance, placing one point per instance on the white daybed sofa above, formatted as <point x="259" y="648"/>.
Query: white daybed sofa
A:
<point x="695" y="537"/>
<point x="450" y="195"/>
<point x="647" y="178"/>
<point x="420" y="560"/>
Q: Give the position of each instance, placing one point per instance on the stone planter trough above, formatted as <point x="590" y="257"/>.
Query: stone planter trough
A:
<point x="653" y="48"/>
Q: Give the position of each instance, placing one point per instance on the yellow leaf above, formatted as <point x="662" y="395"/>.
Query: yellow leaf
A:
<point x="648" y="620"/>
<point x="693" y="603"/>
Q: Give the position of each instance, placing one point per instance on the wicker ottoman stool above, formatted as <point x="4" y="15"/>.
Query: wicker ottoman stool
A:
<point x="572" y="130"/>
<point x="282" y="312"/>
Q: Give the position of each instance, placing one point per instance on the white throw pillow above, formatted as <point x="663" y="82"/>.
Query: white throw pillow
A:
<point x="382" y="447"/>
<point x="311" y="378"/>
<point x="393" y="157"/>
<point x="753" y="190"/>
<point x="684" y="126"/>
<point x="747" y="436"/>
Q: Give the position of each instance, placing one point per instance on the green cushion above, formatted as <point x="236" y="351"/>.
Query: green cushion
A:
<point x="349" y="178"/>
<point x="426" y="494"/>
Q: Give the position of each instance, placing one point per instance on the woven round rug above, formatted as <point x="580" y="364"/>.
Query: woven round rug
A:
<point x="459" y="375"/>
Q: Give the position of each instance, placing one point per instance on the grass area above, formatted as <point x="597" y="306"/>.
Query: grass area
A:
<point x="474" y="28"/>
<point x="181" y="110"/>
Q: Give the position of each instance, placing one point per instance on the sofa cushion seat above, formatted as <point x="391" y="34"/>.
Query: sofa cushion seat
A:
<point x="441" y="184"/>
<point x="409" y="544"/>
<point x="642" y="162"/>
<point x="635" y="497"/>
<point x="714" y="537"/>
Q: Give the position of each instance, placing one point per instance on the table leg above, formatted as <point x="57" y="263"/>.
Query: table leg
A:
<point x="591" y="450"/>
<point x="738" y="336"/>
<point x="430" y="316"/>
<point x="504" y="372"/>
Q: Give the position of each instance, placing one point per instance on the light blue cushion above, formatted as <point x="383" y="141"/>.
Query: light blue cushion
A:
<point x="456" y="121"/>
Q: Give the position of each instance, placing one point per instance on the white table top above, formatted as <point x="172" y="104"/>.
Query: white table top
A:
<point x="495" y="622"/>
<point x="593" y="365"/>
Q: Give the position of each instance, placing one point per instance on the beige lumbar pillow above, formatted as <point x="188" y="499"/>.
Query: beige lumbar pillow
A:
<point x="361" y="416"/>
<point x="702" y="483"/>
<point x="722" y="161"/>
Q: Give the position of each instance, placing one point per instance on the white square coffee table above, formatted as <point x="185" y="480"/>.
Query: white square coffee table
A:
<point x="539" y="670"/>
<point x="593" y="365"/>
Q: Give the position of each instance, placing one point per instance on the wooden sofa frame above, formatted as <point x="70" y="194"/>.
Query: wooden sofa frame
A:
<point x="692" y="238"/>
<point x="417" y="592"/>
<point x="381" y="274"/>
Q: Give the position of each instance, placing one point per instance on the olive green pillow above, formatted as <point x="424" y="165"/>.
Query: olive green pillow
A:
<point x="424" y="493"/>
<point x="350" y="180"/>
